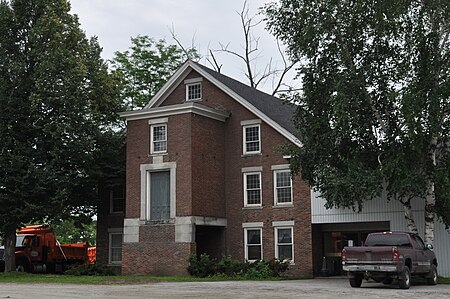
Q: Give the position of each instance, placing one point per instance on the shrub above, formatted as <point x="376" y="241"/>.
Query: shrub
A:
<point x="90" y="270"/>
<point x="228" y="266"/>
<point x="201" y="267"/>
<point x="204" y="266"/>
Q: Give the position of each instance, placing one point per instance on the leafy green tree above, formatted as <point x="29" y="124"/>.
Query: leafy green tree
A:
<point x="73" y="231"/>
<point x="373" y="115"/>
<point x="146" y="67"/>
<point x="59" y="107"/>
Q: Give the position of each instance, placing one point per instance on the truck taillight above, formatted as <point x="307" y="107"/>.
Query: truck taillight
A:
<point x="344" y="255"/>
<point x="395" y="256"/>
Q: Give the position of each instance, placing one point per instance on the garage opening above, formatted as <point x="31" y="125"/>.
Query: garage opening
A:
<point x="329" y="239"/>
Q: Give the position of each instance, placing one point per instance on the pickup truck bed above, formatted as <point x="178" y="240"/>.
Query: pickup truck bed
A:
<point x="390" y="255"/>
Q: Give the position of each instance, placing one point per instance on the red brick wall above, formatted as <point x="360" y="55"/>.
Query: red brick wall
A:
<point x="208" y="171"/>
<point x="160" y="259"/>
<point x="180" y="151"/>
<point x="106" y="221"/>
<point x="137" y="154"/>
<point x="209" y="161"/>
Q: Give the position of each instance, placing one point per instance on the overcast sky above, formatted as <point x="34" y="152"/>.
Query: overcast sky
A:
<point x="207" y="22"/>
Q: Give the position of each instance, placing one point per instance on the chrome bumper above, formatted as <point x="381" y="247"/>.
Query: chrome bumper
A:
<point x="376" y="268"/>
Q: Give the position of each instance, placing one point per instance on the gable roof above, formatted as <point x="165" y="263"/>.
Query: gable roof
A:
<point x="272" y="110"/>
<point x="271" y="106"/>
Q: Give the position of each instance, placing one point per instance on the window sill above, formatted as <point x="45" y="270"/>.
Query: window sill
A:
<point x="158" y="154"/>
<point x="251" y="155"/>
<point x="159" y="222"/>
<point x="283" y="206"/>
<point x="193" y="100"/>
<point x="252" y="208"/>
<point x="118" y="264"/>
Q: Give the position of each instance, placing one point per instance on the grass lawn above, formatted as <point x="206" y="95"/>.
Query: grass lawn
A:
<point x="55" y="278"/>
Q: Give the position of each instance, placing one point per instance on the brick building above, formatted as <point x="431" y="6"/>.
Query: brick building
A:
<point x="204" y="175"/>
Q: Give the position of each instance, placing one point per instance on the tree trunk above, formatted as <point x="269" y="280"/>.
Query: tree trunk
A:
<point x="430" y="200"/>
<point x="409" y="217"/>
<point x="10" y="249"/>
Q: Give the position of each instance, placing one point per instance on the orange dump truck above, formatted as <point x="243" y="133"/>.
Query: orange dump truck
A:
<point x="38" y="250"/>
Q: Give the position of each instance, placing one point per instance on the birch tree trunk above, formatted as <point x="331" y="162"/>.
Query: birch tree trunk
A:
<point x="409" y="217"/>
<point x="430" y="200"/>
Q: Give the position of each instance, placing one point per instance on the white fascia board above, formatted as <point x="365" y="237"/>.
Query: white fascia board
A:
<point x="165" y="111"/>
<point x="170" y="85"/>
<point x="247" y="105"/>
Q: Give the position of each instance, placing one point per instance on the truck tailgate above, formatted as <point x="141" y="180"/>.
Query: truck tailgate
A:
<point x="382" y="254"/>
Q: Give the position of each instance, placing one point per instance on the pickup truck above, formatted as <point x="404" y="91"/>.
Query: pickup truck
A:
<point x="387" y="256"/>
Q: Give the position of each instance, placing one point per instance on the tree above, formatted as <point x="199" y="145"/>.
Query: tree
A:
<point x="147" y="67"/>
<point x="73" y="231"/>
<point x="251" y="55"/>
<point x="374" y="112"/>
<point x="59" y="107"/>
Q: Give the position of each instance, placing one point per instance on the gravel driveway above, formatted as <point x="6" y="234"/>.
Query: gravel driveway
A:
<point x="314" y="288"/>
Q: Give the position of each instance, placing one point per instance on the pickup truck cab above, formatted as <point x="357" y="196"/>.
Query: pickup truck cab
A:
<point x="387" y="256"/>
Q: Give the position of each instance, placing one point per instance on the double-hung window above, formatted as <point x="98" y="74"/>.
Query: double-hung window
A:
<point x="282" y="187"/>
<point x="253" y="244"/>
<point x="252" y="189"/>
<point x="158" y="138"/>
<point x="252" y="139"/>
<point x="284" y="246"/>
<point x="115" y="247"/>
<point x="117" y="196"/>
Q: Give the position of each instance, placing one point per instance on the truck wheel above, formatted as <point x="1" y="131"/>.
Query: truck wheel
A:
<point x="22" y="267"/>
<point x="404" y="280"/>
<point x="356" y="281"/>
<point x="432" y="276"/>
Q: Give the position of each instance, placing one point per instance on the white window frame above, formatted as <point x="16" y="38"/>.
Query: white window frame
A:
<point x="246" y="204"/>
<point x="115" y="232"/>
<point x="146" y="169"/>
<point x="244" y="139"/>
<point x="193" y="82"/>
<point x="246" y="245"/>
<point x="275" y="188"/>
<point x="152" y="139"/>
<point x="279" y="226"/>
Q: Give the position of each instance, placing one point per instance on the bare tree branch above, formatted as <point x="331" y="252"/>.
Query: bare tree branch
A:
<point x="187" y="51"/>
<point x="251" y="54"/>
<point x="213" y="63"/>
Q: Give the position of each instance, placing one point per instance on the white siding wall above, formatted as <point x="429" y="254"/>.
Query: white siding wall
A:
<point x="392" y="211"/>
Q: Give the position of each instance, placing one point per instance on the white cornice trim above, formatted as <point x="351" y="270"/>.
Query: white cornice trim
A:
<point x="165" y="111"/>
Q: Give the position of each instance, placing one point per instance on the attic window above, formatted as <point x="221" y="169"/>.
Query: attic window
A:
<point x="193" y="89"/>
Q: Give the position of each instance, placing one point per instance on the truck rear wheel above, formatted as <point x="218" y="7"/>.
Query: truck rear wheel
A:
<point x="355" y="281"/>
<point x="22" y="267"/>
<point x="432" y="276"/>
<point x="404" y="280"/>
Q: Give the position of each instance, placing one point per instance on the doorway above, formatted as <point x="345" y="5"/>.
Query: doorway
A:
<point x="210" y="240"/>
